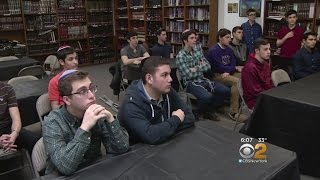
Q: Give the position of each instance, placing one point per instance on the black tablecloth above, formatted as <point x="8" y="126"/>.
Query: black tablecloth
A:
<point x="289" y="117"/>
<point x="204" y="152"/>
<point x="27" y="94"/>
<point x="10" y="69"/>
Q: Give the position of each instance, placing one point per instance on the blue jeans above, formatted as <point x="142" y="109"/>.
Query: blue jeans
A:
<point x="207" y="98"/>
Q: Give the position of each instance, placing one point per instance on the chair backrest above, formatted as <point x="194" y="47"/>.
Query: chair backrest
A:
<point x="53" y="61"/>
<point x="280" y="77"/>
<point x="39" y="156"/>
<point x="8" y="58"/>
<point x="22" y="79"/>
<point x="43" y="106"/>
<point x="240" y="90"/>
<point x="35" y="70"/>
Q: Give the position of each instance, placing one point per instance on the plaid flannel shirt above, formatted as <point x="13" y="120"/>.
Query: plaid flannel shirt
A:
<point x="186" y="60"/>
<point x="70" y="148"/>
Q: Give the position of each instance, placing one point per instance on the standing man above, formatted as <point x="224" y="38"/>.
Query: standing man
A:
<point x="68" y="59"/>
<point x="192" y="66"/>
<point x="73" y="133"/>
<point x="131" y="56"/>
<point x="162" y="48"/>
<point x="240" y="49"/>
<point x="290" y="36"/>
<point x="223" y="64"/>
<point x="151" y="110"/>
<point x="251" y="29"/>
<point x="12" y="136"/>
<point x="256" y="75"/>
<point x="307" y="60"/>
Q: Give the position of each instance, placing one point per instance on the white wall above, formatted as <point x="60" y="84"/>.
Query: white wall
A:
<point x="229" y="20"/>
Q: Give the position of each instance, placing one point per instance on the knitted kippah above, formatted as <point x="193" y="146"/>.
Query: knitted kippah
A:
<point x="63" y="47"/>
<point x="67" y="73"/>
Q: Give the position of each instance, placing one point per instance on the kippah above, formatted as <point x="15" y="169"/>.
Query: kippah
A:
<point x="67" y="73"/>
<point x="185" y="31"/>
<point x="63" y="47"/>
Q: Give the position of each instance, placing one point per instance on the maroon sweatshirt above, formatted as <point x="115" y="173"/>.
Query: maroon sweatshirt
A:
<point x="255" y="78"/>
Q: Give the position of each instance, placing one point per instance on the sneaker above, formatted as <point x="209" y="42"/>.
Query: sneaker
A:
<point x="211" y="116"/>
<point x="242" y="117"/>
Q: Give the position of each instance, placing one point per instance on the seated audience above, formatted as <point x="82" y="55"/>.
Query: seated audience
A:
<point x="239" y="48"/>
<point x="192" y="66"/>
<point x="12" y="136"/>
<point x="73" y="133"/>
<point x="223" y="64"/>
<point x="307" y="59"/>
<point x="161" y="48"/>
<point x="68" y="59"/>
<point x="131" y="56"/>
<point x="151" y="110"/>
<point x="256" y="75"/>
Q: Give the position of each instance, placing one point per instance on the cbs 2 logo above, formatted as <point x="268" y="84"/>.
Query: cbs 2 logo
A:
<point x="248" y="151"/>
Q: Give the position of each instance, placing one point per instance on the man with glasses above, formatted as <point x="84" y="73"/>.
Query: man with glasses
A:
<point x="73" y="133"/>
<point x="251" y="29"/>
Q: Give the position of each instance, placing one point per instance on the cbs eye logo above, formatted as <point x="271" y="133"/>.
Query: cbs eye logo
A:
<point x="257" y="152"/>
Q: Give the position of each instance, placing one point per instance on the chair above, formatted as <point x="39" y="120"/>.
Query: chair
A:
<point x="22" y="79"/>
<point x="35" y="70"/>
<point x="242" y="105"/>
<point x="39" y="157"/>
<point x="8" y="58"/>
<point x="51" y="64"/>
<point x="280" y="77"/>
<point x="43" y="106"/>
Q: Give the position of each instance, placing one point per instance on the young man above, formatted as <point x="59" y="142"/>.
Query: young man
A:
<point x="251" y="29"/>
<point x="240" y="49"/>
<point x="307" y="60"/>
<point x="68" y="59"/>
<point x="73" y="133"/>
<point x="162" y="48"/>
<point x="256" y="75"/>
<point x="12" y="136"/>
<point x="131" y="57"/>
<point x="290" y="36"/>
<point x="151" y="110"/>
<point x="192" y="66"/>
<point x="223" y="64"/>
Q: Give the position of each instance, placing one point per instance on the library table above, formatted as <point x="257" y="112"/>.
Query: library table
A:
<point x="289" y="117"/>
<point x="10" y="69"/>
<point x="206" y="151"/>
<point x="27" y="94"/>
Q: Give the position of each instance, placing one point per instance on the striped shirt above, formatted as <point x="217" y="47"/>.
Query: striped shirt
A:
<point x="70" y="148"/>
<point x="7" y="100"/>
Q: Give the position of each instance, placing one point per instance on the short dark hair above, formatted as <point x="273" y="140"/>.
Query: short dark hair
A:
<point x="251" y="10"/>
<point x="290" y="12"/>
<point x="150" y="65"/>
<point x="236" y="28"/>
<point x="260" y="41"/>
<point x="65" y="84"/>
<point x="160" y="31"/>
<point x="186" y="34"/>
<point x="309" y="33"/>
<point x="222" y="32"/>
<point x="131" y="34"/>
<point x="63" y="52"/>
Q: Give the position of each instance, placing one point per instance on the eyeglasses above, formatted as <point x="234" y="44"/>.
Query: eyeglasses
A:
<point x="84" y="92"/>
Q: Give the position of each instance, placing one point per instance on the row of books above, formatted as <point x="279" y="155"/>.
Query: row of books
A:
<point x="68" y="32"/>
<point x="42" y="6"/>
<point x="43" y="49"/>
<point x="198" y="13"/>
<point x="70" y="4"/>
<point x="175" y="12"/>
<point x="98" y="6"/>
<point x="138" y="15"/>
<point x="10" y="19"/>
<point x="44" y="37"/>
<point x="154" y="14"/>
<point x="71" y="17"/>
<point x="203" y="27"/>
<point x="11" y="26"/>
<point x="41" y="22"/>
<point x="174" y="37"/>
<point x="10" y="7"/>
<point x="99" y="31"/>
<point x="204" y="40"/>
<point x="199" y="2"/>
<point x="154" y="3"/>
<point x="174" y="2"/>
<point x="100" y="18"/>
<point x="177" y="26"/>
<point x="176" y="48"/>
<point x="304" y="10"/>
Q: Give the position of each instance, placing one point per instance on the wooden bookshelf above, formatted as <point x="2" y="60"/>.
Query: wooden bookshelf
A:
<point x="308" y="15"/>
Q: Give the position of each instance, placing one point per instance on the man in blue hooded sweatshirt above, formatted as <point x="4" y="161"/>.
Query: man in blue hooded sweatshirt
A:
<point x="151" y="110"/>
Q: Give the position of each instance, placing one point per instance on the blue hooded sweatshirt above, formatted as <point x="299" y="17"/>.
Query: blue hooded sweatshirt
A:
<point x="146" y="121"/>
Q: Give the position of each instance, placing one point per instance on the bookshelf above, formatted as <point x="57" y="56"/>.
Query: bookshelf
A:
<point x="173" y="15"/>
<point x="308" y="17"/>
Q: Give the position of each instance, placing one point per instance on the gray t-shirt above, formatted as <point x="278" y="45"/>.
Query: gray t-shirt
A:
<point x="132" y="72"/>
